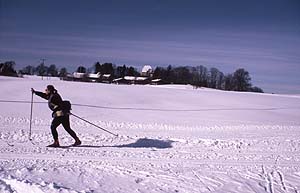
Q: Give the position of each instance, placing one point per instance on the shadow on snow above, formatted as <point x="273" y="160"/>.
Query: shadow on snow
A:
<point x="140" y="143"/>
<point x="149" y="143"/>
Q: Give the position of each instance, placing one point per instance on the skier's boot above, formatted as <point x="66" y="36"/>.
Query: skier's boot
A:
<point x="77" y="142"/>
<point x="55" y="144"/>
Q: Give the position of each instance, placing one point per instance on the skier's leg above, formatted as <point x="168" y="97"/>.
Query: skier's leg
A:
<point x="66" y="124"/>
<point x="55" y="123"/>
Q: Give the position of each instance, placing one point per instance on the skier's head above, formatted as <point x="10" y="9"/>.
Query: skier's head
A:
<point x="50" y="89"/>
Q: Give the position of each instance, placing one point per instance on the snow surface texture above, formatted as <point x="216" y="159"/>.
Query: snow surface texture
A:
<point x="171" y="139"/>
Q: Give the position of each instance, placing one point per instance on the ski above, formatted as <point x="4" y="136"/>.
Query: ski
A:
<point x="64" y="146"/>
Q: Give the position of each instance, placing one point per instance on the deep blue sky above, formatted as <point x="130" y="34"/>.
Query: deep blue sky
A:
<point x="259" y="35"/>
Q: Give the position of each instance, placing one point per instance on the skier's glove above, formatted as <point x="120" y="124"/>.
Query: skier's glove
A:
<point x="32" y="90"/>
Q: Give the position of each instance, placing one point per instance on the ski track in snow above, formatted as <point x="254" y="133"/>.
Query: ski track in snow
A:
<point x="151" y="156"/>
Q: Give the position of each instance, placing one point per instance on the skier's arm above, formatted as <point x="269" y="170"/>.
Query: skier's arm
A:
<point x="40" y="94"/>
<point x="56" y="100"/>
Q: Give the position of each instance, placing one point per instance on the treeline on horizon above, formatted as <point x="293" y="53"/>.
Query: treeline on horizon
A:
<point x="198" y="76"/>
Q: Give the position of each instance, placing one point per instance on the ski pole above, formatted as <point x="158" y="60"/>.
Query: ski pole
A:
<point x="30" y="121"/>
<point x="93" y="124"/>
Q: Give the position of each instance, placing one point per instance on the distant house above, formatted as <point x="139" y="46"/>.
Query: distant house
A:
<point x="147" y="71"/>
<point x="142" y="80"/>
<point x="132" y="80"/>
<point x="79" y="76"/>
<point x="145" y="78"/>
<point x="106" y="78"/>
<point x="89" y="77"/>
<point x="129" y="79"/>
<point x="94" y="77"/>
<point x="156" y="81"/>
<point x="118" y="81"/>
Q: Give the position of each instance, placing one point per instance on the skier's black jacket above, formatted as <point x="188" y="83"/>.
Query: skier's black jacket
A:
<point x="54" y="103"/>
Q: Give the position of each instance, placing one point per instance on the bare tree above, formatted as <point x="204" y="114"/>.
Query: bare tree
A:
<point x="242" y="80"/>
<point x="213" y="75"/>
<point x="52" y="70"/>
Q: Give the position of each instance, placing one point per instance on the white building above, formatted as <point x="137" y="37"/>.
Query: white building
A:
<point x="147" y="71"/>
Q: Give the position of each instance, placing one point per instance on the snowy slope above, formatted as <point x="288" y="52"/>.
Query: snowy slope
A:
<point x="172" y="138"/>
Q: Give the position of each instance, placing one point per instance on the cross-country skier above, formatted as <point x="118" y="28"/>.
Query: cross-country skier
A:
<point x="59" y="115"/>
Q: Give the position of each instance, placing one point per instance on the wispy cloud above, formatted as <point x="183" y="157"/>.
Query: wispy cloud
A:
<point x="209" y="50"/>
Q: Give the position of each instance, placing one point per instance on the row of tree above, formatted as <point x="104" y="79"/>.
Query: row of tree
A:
<point x="106" y="68"/>
<point x="113" y="70"/>
<point x="44" y="70"/>
<point x="199" y="76"/>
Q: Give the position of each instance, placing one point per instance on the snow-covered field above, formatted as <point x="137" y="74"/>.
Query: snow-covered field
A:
<point x="171" y="139"/>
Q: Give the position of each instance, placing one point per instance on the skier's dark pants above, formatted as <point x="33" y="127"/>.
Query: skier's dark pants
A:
<point x="65" y="121"/>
